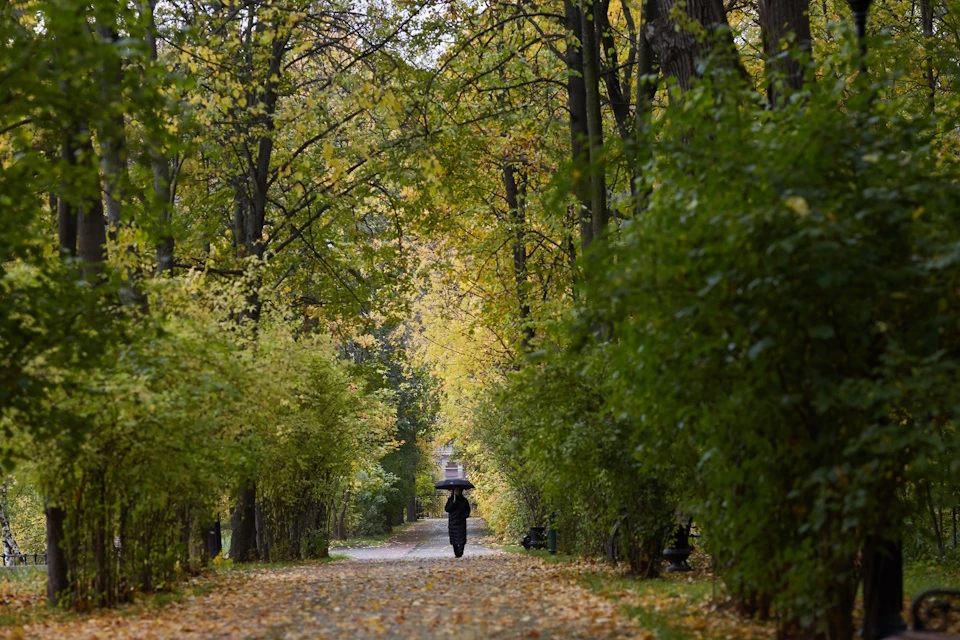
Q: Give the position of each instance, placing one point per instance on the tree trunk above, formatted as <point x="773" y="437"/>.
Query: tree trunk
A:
<point x="342" y="518"/>
<point x="260" y="168"/>
<point x="516" y="192"/>
<point x="66" y="212"/>
<point x="678" y="50"/>
<point x="937" y="528"/>
<point x="591" y="80"/>
<point x="57" y="585"/>
<point x="159" y="164"/>
<point x="91" y="225"/>
<point x="926" y="16"/>
<point x="778" y="19"/>
<point x="609" y="70"/>
<point x="9" y="543"/>
<point x="263" y="539"/>
<point x="577" y="106"/>
<point x="412" y="509"/>
<point x="646" y="91"/>
<point x="243" y="543"/>
<point x="113" y="139"/>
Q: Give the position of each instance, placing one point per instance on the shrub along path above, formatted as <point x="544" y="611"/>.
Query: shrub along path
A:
<point x="484" y="596"/>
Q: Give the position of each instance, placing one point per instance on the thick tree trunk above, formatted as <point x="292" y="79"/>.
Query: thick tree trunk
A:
<point x="113" y="139"/>
<point x="57" y="585"/>
<point x="243" y="543"/>
<point x="778" y="19"/>
<point x="91" y="225"/>
<point x="159" y="164"/>
<point x="67" y="213"/>
<point x="591" y="80"/>
<point x="577" y="106"/>
<point x="678" y="50"/>
<point x="412" y="509"/>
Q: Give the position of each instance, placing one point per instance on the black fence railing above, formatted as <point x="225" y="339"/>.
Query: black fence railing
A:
<point x="23" y="559"/>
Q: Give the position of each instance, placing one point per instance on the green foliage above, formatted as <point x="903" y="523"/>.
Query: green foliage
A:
<point x="559" y="449"/>
<point x="782" y="311"/>
<point x="371" y="500"/>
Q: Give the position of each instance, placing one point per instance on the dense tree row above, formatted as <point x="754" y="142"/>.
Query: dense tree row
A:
<point x="196" y="224"/>
<point x="700" y="259"/>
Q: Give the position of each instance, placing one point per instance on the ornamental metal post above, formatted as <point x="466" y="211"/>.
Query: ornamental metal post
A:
<point x="883" y="590"/>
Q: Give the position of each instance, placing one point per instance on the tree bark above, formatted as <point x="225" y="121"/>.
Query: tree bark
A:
<point x="591" y="80"/>
<point x="57" y="585"/>
<point x="9" y="542"/>
<point x="937" y="528"/>
<point x="646" y="91"/>
<point x="779" y="19"/>
<point x="91" y="225"/>
<point x="342" y="517"/>
<point x="515" y="193"/>
<point x="113" y="139"/>
<point x="243" y="543"/>
<point x="678" y="50"/>
<point x="577" y="106"/>
<point x="159" y="163"/>
<point x="619" y="103"/>
<point x="926" y="16"/>
<point x="412" y="509"/>
<point x="66" y="213"/>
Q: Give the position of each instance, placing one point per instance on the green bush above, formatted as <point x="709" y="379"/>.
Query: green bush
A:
<point x="784" y="310"/>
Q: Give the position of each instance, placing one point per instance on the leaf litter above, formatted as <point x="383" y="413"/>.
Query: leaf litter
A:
<point x="501" y="596"/>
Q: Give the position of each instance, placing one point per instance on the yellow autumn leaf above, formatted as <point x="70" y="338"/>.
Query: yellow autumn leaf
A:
<point x="798" y="205"/>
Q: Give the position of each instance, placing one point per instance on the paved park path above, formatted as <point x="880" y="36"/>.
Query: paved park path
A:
<point x="427" y="539"/>
<point x="411" y="587"/>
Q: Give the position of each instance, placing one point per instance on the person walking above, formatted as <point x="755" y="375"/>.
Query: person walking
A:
<point x="459" y="509"/>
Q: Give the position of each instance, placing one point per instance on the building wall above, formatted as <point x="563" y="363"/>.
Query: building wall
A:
<point x="449" y="468"/>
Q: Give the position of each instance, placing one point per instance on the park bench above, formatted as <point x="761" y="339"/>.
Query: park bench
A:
<point x="936" y="616"/>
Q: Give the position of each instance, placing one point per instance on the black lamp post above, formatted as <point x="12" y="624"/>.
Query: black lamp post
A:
<point x="860" y="8"/>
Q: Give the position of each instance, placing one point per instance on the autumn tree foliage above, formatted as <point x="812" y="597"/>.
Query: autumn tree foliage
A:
<point x="740" y="140"/>
<point x="634" y="259"/>
<point x="179" y="277"/>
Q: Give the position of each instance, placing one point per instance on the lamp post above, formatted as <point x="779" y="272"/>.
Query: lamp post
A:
<point x="860" y="8"/>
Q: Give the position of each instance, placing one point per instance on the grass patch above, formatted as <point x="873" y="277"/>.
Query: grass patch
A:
<point x="918" y="577"/>
<point x="226" y="567"/>
<point x="677" y="606"/>
<point x="370" y="541"/>
<point x="543" y="554"/>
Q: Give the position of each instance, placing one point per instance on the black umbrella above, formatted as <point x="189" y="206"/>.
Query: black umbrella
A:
<point x="453" y="483"/>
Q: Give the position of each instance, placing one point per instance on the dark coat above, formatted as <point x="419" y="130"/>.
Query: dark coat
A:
<point x="459" y="511"/>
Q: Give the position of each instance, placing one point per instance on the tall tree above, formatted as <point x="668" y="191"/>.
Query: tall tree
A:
<point x="785" y="28"/>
